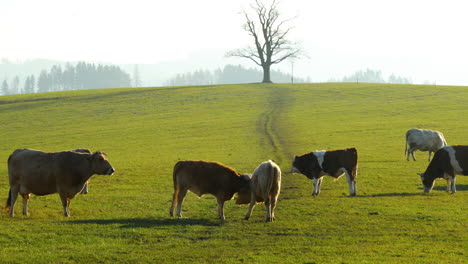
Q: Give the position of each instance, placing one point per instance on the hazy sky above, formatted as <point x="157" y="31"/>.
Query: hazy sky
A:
<point x="426" y="40"/>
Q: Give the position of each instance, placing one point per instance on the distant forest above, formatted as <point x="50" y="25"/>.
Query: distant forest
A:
<point x="230" y="74"/>
<point x="373" y="76"/>
<point x="72" y="77"/>
<point x="19" y="78"/>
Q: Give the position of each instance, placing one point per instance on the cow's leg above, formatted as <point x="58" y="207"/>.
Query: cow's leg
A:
<point x="65" y="204"/>
<point x="268" y="217"/>
<point x="251" y="206"/>
<point x="412" y="154"/>
<point x="221" y="208"/>
<point x="317" y="183"/>
<point x="26" y="197"/>
<point x="174" y="201"/>
<point x="449" y="182"/>
<point x="453" y="184"/>
<point x="180" y="198"/>
<point x="14" y="194"/>
<point x="273" y="206"/>
<point x="429" y="158"/>
<point x="85" y="188"/>
<point x="351" y="183"/>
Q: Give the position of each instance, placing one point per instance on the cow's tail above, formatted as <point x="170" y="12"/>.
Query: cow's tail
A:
<point x="177" y="168"/>
<point x="272" y="176"/>
<point x="406" y="143"/>
<point x="8" y="202"/>
<point x="355" y="163"/>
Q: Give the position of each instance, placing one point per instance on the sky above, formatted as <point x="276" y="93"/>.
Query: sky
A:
<point x="424" y="40"/>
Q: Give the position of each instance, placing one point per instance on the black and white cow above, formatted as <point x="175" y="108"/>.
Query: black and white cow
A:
<point x="447" y="162"/>
<point x="423" y="140"/>
<point x="334" y="163"/>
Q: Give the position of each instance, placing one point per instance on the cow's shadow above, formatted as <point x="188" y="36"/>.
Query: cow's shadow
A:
<point x="406" y="194"/>
<point x="460" y="187"/>
<point x="149" y="222"/>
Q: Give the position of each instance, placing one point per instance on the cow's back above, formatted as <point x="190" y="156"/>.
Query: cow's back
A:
<point x="32" y="169"/>
<point x="41" y="172"/>
<point x="266" y="179"/>
<point x="425" y="139"/>
<point x="201" y="177"/>
<point x="346" y="158"/>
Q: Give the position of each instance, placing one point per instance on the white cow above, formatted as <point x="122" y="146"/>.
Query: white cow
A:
<point x="423" y="140"/>
<point x="265" y="186"/>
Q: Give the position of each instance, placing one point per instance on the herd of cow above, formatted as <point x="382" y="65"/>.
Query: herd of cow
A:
<point x="67" y="173"/>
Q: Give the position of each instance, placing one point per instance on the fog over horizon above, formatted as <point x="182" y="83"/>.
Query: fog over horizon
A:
<point x="424" y="41"/>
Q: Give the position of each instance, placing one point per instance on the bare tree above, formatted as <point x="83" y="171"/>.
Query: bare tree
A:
<point x="270" y="38"/>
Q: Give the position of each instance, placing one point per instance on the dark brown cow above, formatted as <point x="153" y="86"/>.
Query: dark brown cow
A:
<point x="447" y="162"/>
<point x="41" y="173"/>
<point x="201" y="177"/>
<point x="334" y="163"/>
<point x="265" y="187"/>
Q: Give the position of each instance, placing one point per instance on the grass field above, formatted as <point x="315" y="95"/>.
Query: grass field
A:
<point x="125" y="217"/>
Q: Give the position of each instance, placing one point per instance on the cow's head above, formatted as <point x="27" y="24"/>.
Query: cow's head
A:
<point x="293" y="167"/>
<point x="243" y="196"/>
<point x="101" y="164"/>
<point x="427" y="182"/>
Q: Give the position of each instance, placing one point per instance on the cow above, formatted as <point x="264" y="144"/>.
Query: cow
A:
<point x="333" y="163"/>
<point x="202" y="177"/>
<point x="265" y="186"/>
<point x="447" y="162"/>
<point x="423" y="140"/>
<point x="42" y="173"/>
<point x="87" y="151"/>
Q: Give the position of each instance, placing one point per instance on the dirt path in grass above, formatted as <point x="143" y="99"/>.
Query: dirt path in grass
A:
<point x="268" y="123"/>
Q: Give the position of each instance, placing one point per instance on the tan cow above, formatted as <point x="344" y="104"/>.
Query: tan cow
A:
<point x="265" y="187"/>
<point x="41" y="173"/>
<point x="201" y="177"/>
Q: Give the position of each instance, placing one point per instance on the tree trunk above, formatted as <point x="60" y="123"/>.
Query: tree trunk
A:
<point x="266" y="74"/>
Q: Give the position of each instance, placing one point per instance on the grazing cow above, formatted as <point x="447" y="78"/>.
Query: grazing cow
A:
<point x="334" y="163"/>
<point x="447" y="162"/>
<point x="87" y="151"/>
<point x="423" y="140"/>
<point x="41" y="173"/>
<point x="201" y="177"/>
<point x="265" y="187"/>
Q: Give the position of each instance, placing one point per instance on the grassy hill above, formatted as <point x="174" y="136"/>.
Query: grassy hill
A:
<point x="125" y="217"/>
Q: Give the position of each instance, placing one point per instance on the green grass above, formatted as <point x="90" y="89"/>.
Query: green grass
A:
<point x="125" y="217"/>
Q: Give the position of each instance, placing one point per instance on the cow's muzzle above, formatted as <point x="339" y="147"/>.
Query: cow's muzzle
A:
<point x="294" y="170"/>
<point x="110" y="171"/>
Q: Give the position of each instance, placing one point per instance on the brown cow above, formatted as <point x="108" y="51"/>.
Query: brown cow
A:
<point x="201" y="177"/>
<point x="41" y="173"/>
<point x="265" y="186"/>
<point x="87" y="151"/>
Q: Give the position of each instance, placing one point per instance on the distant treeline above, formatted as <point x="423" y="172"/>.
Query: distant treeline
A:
<point x="73" y="77"/>
<point x="230" y="74"/>
<point x="373" y="76"/>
